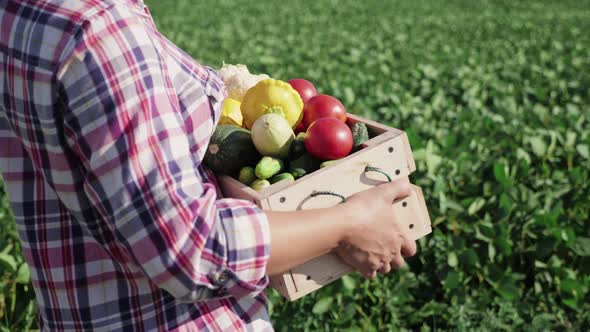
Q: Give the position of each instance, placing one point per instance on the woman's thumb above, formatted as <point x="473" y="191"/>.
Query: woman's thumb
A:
<point x="397" y="189"/>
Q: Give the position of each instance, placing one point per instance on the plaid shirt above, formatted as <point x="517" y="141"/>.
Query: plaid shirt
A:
<point x="103" y="127"/>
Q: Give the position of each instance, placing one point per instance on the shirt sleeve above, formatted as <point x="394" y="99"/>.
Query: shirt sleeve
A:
<point x="139" y="151"/>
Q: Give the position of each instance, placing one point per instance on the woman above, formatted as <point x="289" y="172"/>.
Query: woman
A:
<point x="103" y="127"/>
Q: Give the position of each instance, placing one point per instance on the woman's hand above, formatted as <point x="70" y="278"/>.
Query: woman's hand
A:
<point x="375" y="242"/>
<point x="362" y="231"/>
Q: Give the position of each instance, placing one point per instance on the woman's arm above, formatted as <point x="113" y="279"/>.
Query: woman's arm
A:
<point x="297" y="237"/>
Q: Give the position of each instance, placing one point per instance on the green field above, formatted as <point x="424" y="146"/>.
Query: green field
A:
<point x="495" y="96"/>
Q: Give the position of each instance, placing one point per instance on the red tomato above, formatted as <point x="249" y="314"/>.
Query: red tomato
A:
<point x="323" y="106"/>
<point x="305" y="89"/>
<point x="328" y="139"/>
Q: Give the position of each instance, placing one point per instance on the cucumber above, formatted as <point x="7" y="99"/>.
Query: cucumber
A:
<point x="298" y="172"/>
<point x="282" y="176"/>
<point x="360" y="135"/>
<point x="247" y="175"/>
<point x="303" y="165"/>
<point x="327" y="163"/>
<point x="260" y="184"/>
<point x="267" y="167"/>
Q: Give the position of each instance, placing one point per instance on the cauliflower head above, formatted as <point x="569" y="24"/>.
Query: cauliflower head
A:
<point x="238" y="80"/>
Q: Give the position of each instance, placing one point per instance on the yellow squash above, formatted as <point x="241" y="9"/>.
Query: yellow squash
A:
<point x="231" y="113"/>
<point x="272" y="96"/>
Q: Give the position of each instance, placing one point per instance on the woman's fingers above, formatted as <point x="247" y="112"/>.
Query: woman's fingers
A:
<point x="386" y="268"/>
<point x="397" y="262"/>
<point x="408" y="247"/>
<point x="370" y="275"/>
<point x="396" y="189"/>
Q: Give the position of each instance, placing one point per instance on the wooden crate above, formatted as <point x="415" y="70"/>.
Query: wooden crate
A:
<point x="389" y="150"/>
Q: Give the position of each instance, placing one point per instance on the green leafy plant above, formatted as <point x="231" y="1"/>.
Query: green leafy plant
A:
<point x="17" y="305"/>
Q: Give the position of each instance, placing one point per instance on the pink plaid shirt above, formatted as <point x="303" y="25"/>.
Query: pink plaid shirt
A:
<point x="103" y="127"/>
